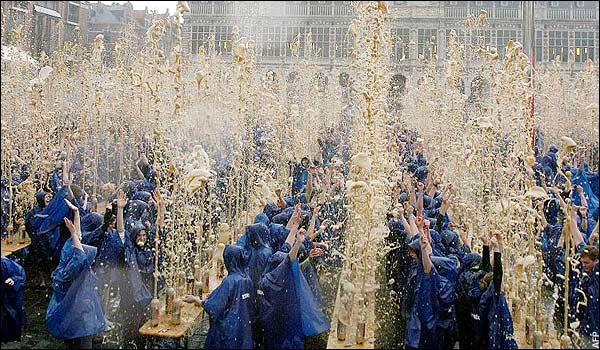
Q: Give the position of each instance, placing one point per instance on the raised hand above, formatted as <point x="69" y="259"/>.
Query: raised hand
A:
<point x="70" y="226"/>
<point x="315" y="252"/>
<point x="71" y="206"/>
<point x="121" y="199"/>
<point x="300" y="235"/>
<point x="420" y="222"/>
<point x="420" y="186"/>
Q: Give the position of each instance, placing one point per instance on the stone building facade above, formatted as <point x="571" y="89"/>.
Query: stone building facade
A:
<point x="419" y="28"/>
<point x="40" y="22"/>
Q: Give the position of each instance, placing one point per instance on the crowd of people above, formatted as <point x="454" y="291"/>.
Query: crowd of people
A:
<point x="441" y="290"/>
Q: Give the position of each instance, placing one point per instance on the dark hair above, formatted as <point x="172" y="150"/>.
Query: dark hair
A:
<point x="590" y="251"/>
<point x="76" y="191"/>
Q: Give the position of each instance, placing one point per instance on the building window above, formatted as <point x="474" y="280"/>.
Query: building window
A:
<point x="272" y="43"/>
<point x="320" y="39"/>
<point x="558" y="45"/>
<point x="342" y="46"/>
<point x="73" y="13"/>
<point x="538" y="46"/>
<point x="453" y="3"/>
<point x="584" y="46"/>
<point x="400" y="38"/>
<point x="223" y="39"/>
<point x="20" y="4"/>
<point x="478" y="3"/>
<point x="50" y="4"/>
<point x="504" y="3"/>
<point x="200" y="37"/>
<point x="580" y="3"/>
<point x="502" y="38"/>
<point x="427" y="47"/>
<point x="460" y="37"/>
<point x="293" y="34"/>
<point x="553" y="3"/>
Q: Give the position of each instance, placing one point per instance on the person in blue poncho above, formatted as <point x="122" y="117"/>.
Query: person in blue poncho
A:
<point x="473" y="269"/>
<point x="13" y="310"/>
<point x="229" y="306"/>
<point x="75" y="312"/>
<point x="588" y="312"/>
<point x="287" y="306"/>
<point x="300" y="176"/>
<point x="428" y="323"/>
<point x="258" y="253"/>
<point x="49" y="223"/>
<point x="39" y="255"/>
<point x="117" y="267"/>
<point x="143" y="253"/>
<point x="496" y="320"/>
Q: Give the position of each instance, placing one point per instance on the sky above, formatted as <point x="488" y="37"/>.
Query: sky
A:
<point x="160" y="6"/>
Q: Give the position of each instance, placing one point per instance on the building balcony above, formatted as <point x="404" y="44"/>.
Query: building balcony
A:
<point x="585" y="14"/>
<point x="557" y="14"/>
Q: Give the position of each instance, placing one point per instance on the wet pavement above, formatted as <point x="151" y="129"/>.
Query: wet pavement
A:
<point x="35" y="335"/>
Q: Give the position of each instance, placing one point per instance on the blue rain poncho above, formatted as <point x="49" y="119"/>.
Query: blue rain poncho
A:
<point x="75" y="309"/>
<point x="117" y="261"/>
<point x="270" y="210"/>
<point x="49" y="221"/>
<point x="143" y="255"/>
<point x="468" y="296"/>
<point x="38" y="250"/>
<point x="287" y="306"/>
<point x="91" y="222"/>
<point x="580" y="178"/>
<point x="257" y="251"/>
<point x="300" y="177"/>
<point x="496" y="319"/>
<point x="229" y="307"/>
<point x="142" y="196"/>
<point x="431" y="317"/>
<point x="588" y="314"/>
<point x="312" y="279"/>
<point x="13" y="310"/>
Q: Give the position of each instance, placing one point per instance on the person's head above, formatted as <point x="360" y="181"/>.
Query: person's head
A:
<point x="589" y="257"/>
<point x="305" y="162"/>
<point x="257" y="234"/>
<point x="234" y="259"/>
<point x="137" y="233"/>
<point x="43" y="199"/>
<point x="414" y="248"/>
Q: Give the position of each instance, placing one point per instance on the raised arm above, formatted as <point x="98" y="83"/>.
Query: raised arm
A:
<point x="575" y="233"/>
<point x="121" y="202"/>
<point x="414" y="230"/>
<point x="441" y="214"/>
<point x="309" y="183"/>
<point x="312" y="234"/>
<point x="425" y="242"/>
<point x="74" y="226"/>
<point x="420" y="194"/>
<point x="293" y="225"/>
<point x="496" y="243"/>
<point x="280" y="201"/>
<point x="300" y="234"/>
<point x="405" y="223"/>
